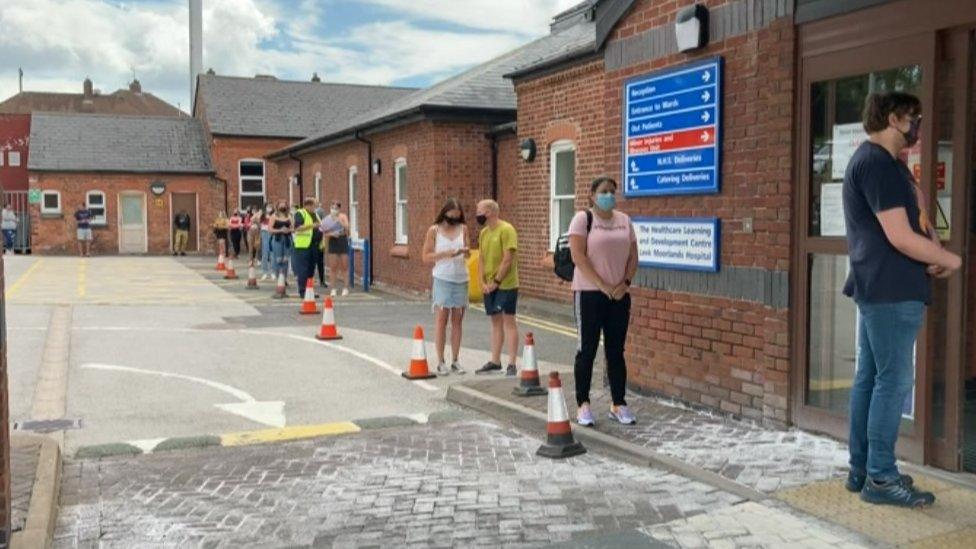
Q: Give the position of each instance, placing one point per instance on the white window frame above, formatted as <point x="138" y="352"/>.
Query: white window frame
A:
<point x="240" y="182"/>
<point x="554" y="199"/>
<point x="50" y="211"/>
<point x="401" y="228"/>
<point x="13" y="159"/>
<point x="318" y="187"/>
<point x="101" y="219"/>
<point x="1" y="157"/>
<point x="353" y="202"/>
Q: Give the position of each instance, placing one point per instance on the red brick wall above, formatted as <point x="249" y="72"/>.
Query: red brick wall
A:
<point x="227" y="152"/>
<point x="14" y="136"/>
<point x="443" y="160"/>
<point x="508" y="163"/>
<point x="723" y="353"/>
<point x="56" y="235"/>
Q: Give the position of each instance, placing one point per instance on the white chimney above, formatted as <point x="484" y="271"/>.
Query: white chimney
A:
<point x="196" y="47"/>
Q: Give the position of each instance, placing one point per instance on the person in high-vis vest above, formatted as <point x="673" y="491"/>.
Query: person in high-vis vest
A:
<point x="306" y="223"/>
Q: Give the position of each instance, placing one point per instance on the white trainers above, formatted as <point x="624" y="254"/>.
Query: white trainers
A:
<point x="345" y="292"/>
<point x="442" y="369"/>
<point x="333" y="292"/>
<point x="264" y="277"/>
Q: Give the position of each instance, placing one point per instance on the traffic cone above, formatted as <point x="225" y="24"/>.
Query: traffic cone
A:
<point x="308" y="305"/>
<point x="230" y="273"/>
<point x="529" y="380"/>
<point x="328" y="330"/>
<point x="220" y="256"/>
<point x="559" y="435"/>
<point x="252" y="277"/>
<point x="418" y="362"/>
<point x="280" y="287"/>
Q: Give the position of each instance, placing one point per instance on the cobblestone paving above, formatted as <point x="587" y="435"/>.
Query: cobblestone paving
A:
<point x="460" y="484"/>
<point x="762" y="458"/>
<point x="23" y="469"/>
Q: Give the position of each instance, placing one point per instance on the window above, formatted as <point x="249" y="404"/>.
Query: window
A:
<point x="353" y="202"/>
<point x="318" y="187"/>
<point x="1" y="158"/>
<point x="51" y="202"/>
<point x="13" y="159"/>
<point x="252" y="183"/>
<point x="400" y="167"/>
<point x="562" y="178"/>
<point x="95" y="202"/>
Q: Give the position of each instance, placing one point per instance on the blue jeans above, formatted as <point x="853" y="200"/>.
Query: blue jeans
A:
<point x="884" y="378"/>
<point x="280" y="250"/>
<point x="265" y="252"/>
<point x="8" y="238"/>
<point x="303" y="267"/>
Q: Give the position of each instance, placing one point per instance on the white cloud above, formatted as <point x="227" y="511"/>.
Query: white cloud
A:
<point x="60" y="42"/>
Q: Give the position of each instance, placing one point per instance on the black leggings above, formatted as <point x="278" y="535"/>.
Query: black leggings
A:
<point x="595" y="312"/>
<point x="235" y="241"/>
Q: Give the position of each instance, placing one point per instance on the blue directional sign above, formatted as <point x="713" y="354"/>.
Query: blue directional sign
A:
<point x="672" y="130"/>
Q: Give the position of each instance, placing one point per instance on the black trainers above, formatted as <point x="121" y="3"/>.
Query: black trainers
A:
<point x="895" y="493"/>
<point x="511" y="371"/>
<point x="489" y="368"/>
<point x="855" y="481"/>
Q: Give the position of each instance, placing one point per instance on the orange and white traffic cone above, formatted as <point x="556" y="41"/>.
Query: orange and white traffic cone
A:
<point x="529" y="379"/>
<point x="419" y="369"/>
<point x="559" y="435"/>
<point x="280" y="287"/>
<point x="230" y="273"/>
<point x="308" y="304"/>
<point x="328" y="330"/>
<point x="252" y="277"/>
<point x="220" y="256"/>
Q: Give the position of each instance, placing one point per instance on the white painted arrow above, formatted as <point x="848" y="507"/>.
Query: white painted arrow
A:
<point x="705" y="116"/>
<point x="704" y="136"/>
<point x="706" y="96"/>
<point x="633" y="166"/>
<point x="270" y="413"/>
<point x="706" y="76"/>
<point x="633" y="184"/>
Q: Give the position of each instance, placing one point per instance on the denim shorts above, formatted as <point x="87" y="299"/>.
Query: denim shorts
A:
<point x="449" y="295"/>
<point x="84" y="234"/>
<point x="501" y="301"/>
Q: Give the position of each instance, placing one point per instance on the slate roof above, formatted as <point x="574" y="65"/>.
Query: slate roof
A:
<point x="112" y="143"/>
<point x="482" y="88"/>
<point x="267" y="107"/>
<point x="118" y="102"/>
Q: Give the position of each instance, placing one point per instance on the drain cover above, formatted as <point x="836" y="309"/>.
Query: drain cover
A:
<point x="47" y="425"/>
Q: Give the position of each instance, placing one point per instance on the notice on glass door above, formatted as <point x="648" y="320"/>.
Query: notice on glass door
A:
<point x="832" y="210"/>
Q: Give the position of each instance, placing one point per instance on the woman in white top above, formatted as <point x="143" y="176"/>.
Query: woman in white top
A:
<point x="446" y="246"/>
<point x="9" y="228"/>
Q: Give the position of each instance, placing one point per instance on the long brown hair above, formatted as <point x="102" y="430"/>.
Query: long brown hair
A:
<point x="449" y="204"/>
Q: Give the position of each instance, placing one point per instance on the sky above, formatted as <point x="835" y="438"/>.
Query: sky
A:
<point x="388" y="42"/>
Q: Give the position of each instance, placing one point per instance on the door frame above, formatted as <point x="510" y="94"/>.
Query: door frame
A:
<point x="145" y="219"/>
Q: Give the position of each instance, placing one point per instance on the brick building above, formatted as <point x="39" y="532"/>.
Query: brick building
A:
<point x="14" y="151"/>
<point x="247" y="118"/>
<point x="133" y="172"/>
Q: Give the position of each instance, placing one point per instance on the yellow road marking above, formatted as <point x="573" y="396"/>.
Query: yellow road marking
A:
<point x="288" y="433"/>
<point x="539" y="323"/>
<point x="12" y="289"/>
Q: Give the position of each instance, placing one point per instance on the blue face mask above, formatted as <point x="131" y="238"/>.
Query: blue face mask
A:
<point x="605" y="201"/>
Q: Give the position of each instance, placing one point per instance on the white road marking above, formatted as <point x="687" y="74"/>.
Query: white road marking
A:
<point x="146" y="445"/>
<point x="269" y="413"/>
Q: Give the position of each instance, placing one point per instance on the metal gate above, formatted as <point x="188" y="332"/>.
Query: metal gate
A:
<point x="18" y="201"/>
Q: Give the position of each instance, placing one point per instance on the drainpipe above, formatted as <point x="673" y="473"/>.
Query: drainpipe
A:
<point x="301" y="187"/>
<point x="369" y="191"/>
<point x="226" y="197"/>
<point x="493" y="139"/>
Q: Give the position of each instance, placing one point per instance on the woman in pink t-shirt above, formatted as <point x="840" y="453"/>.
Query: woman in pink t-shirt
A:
<point x="605" y="255"/>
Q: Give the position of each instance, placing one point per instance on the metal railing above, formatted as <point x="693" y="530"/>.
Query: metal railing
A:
<point x="19" y="202"/>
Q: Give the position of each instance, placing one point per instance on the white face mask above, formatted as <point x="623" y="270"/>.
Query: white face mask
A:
<point x="334" y="211"/>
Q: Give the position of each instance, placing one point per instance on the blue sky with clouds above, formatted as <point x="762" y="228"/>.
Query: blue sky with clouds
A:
<point x="394" y="42"/>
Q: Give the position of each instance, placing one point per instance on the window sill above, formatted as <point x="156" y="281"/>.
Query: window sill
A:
<point x="51" y="215"/>
<point x="400" y="250"/>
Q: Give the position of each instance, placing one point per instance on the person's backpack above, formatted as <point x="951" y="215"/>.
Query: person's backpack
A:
<point x="562" y="259"/>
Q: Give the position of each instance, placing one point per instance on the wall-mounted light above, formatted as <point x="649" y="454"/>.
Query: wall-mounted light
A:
<point x="377" y="167"/>
<point x="527" y="149"/>
<point x="691" y="28"/>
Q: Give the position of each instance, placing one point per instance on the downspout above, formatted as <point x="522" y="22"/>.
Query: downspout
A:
<point x="493" y="139"/>
<point x="369" y="191"/>
<point x="226" y="197"/>
<point x="301" y="187"/>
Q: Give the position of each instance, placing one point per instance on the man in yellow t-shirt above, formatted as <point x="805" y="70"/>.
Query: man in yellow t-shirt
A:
<point x="498" y="245"/>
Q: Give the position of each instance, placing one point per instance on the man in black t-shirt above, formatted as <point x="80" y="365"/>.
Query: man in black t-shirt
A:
<point x="181" y="235"/>
<point x="83" y="230"/>
<point x="893" y="251"/>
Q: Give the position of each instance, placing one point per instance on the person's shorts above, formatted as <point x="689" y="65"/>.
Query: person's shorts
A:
<point x="501" y="301"/>
<point x="339" y="245"/>
<point x="449" y="295"/>
<point x="85" y="234"/>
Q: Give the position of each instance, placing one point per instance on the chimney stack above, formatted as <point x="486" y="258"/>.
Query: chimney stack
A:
<point x="135" y="86"/>
<point x="88" y="88"/>
<point x="315" y="77"/>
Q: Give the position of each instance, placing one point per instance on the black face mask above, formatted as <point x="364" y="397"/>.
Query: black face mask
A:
<point x="453" y="220"/>
<point x="283" y="210"/>
<point x="911" y="136"/>
<point x="481" y="219"/>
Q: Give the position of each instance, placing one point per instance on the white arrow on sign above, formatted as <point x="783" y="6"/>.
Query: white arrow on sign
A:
<point x="633" y="184"/>
<point x="704" y="136"/>
<point x="633" y="166"/>
<point x="706" y="96"/>
<point x="706" y="76"/>
<point x="271" y="413"/>
<point x="706" y="116"/>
